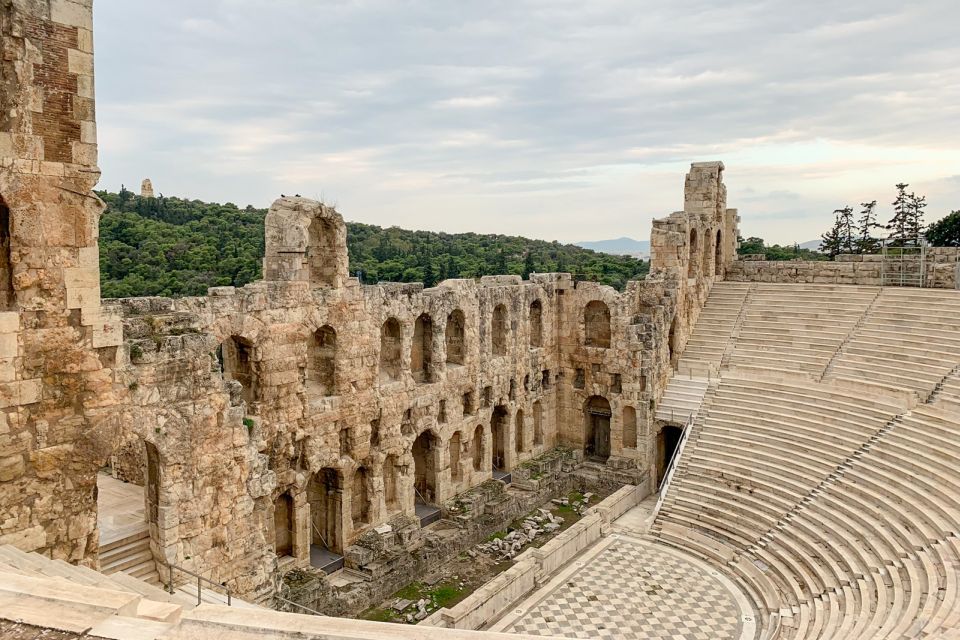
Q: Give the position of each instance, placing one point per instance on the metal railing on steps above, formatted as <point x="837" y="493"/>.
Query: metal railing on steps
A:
<point x="200" y="580"/>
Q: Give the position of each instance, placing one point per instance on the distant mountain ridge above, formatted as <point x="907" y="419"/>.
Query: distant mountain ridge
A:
<point x="622" y="246"/>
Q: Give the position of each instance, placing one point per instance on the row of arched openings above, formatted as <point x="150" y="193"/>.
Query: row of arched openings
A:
<point x="716" y="249"/>
<point x="320" y="375"/>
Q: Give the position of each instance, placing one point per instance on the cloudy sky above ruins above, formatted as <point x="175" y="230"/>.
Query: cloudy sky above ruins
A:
<point x="556" y="119"/>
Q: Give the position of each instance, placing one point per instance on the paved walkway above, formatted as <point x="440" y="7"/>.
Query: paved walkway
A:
<point x="631" y="588"/>
<point x="120" y="508"/>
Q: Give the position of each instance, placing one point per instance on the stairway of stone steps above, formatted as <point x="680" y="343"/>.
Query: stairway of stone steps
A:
<point x="948" y="380"/>
<point x="15" y="561"/>
<point x="830" y="479"/>
<point x="850" y="335"/>
<point x="689" y="447"/>
<point x="130" y="554"/>
<point x="681" y="399"/>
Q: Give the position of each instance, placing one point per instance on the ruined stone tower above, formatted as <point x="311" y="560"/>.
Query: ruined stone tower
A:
<point x="57" y="347"/>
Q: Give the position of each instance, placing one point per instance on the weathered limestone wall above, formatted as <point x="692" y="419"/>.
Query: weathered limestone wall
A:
<point x="57" y="346"/>
<point x="303" y="408"/>
<point x="942" y="270"/>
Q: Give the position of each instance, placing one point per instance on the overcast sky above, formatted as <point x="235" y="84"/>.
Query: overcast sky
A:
<point x="555" y="119"/>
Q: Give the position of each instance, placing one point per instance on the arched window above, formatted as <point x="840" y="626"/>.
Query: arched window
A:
<point x="390" y="345"/>
<point x="359" y="500"/>
<point x="499" y="338"/>
<point x="456" y="473"/>
<point x="692" y="258"/>
<point x="536" y="324"/>
<point x="718" y="258"/>
<point x="519" y="435"/>
<point x="706" y="262"/>
<point x="238" y="365"/>
<point x="537" y="423"/>
<point x="421" y="351"/>
<point x="321" y="252"/>
<point x="7" y="298"/>
<point x="478" y="448"/>
<point x="454" y="337"/>
<point x="322" y="361"/>
<point x="629" y="428"/>
<point x="596" y="325"/>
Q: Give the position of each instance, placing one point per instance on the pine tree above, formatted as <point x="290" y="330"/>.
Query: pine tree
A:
<point x="528" y="265"/>
<point x="429" y="274"/>
<point x="847" y="243"/>
<point x="452" y="270"/>
<point x="866" y="243"/>
<point x="915" y="206"/>
<point x="899" y="224"/>
<point x="501" y="263"/>
<point x="832" y="240"/>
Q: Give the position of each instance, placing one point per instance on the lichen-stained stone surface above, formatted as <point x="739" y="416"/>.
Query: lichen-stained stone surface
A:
<point x="303" y="409"/>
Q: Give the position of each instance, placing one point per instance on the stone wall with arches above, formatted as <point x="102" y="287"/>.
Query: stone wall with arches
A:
<point x="348" y="405"/>
<point x="302" y="409"/>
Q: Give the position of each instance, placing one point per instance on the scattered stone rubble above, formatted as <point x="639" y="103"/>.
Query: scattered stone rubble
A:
<point x="545" y="522"/>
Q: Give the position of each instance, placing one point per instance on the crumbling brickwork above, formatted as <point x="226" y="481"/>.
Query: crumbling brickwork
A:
<point x="304" y="408"/>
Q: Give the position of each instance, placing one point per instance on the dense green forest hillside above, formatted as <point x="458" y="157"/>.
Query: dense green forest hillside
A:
<point x="173" y="247"/>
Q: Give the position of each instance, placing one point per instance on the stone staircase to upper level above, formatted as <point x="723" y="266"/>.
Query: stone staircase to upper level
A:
<point x="131" y="555"/>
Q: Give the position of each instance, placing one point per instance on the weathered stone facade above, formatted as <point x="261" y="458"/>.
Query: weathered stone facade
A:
<point x="303" y="408"/>
<point x="58" y="349"/>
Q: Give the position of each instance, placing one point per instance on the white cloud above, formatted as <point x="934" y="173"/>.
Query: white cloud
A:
<point x="551" y="118"/>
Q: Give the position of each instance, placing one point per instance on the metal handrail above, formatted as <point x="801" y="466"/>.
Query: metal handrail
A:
<point x="297" y="604"/>
<point x="200" y="579"/>
<point x="671" y="466"/>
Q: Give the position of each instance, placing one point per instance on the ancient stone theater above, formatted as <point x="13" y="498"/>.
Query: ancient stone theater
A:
<point x="726" y="449"/>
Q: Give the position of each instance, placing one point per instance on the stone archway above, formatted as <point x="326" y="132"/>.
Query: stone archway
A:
<point x="425" y="464"/>
<point x="596" y="440"/>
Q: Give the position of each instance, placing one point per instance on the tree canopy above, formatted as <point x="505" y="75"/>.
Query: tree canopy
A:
<point x="945" y="232"/>
<point x="754" y="245"/>
<point x="176" y="247"/>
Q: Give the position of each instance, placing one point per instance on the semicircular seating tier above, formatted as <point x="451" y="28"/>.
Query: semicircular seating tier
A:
<point x="821" y="472"/>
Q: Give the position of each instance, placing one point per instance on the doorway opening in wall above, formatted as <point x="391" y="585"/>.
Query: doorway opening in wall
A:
<point x="425" y="464"/>
<point x="6" y="266"/>
<point x="672" y="346"/>
<point x="667" y="441"/>
<point x="283" y="525"/>
<point x="325" y="501"/>
<point x="596" y="442"/>
<point x="499" y="429"/>
<point x="718" y="258"/>
<point x="128" y="495"/>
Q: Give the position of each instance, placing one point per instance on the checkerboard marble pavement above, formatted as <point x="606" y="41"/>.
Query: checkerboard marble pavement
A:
<point x="637" y="590"/>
